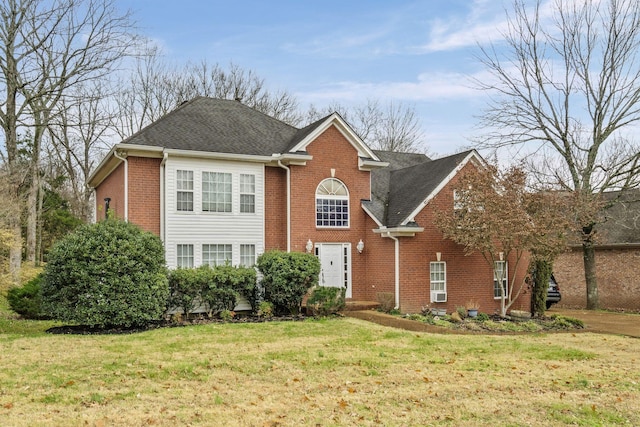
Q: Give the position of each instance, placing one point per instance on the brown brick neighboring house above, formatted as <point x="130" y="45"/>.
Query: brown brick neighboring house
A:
<point x="617" y="259"/>
<point x="217" y="180"/>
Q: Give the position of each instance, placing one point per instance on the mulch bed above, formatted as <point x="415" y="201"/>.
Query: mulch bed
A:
<point x="201" y="320"/>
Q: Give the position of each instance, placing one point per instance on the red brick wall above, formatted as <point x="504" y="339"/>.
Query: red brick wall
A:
<point x="468" y="277"/>
<point x="616" y="272"/>
<point x="144" y="193"/>
<point x="380" y="263"/>
<point x="331" y="150"/>
<point x="275" y="207"/>
<point x="113" y="187"/>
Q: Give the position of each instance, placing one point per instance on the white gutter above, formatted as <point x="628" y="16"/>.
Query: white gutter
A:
<point x="162" y="196"/>
<point x="288" y="204"/>
<point x="126" y="184"/>
<point x="397" y="267"/>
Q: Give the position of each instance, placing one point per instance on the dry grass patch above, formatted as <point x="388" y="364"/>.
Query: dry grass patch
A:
<point x="327" y="372"/>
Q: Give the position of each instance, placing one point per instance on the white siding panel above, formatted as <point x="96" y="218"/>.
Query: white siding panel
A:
<point x="199" y="227"/>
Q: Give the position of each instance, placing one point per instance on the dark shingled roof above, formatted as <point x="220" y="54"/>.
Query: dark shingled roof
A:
<point x="225" y="126"/>
<point x="622" y="220"/>
<point x="380" y="178"/>
<point x="217" y="125"/>
<point x="410" y="186"/>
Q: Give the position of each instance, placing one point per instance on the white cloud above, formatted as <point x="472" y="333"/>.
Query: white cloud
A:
<point x="485" y="23"/>
<point x="428" y="86"/>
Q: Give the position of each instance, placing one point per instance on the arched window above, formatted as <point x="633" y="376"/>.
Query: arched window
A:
<point x="332" y="204"/>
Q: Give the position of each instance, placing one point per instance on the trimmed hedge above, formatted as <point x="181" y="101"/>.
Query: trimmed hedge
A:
<point x="109" y="274"/>
<point x="218" y="287"/>
<point x="287" y="276"/>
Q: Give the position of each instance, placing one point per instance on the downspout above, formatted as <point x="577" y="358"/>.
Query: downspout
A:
<point x="162" y="196"/>
<point x="126" y="184"/>
<point x="94" y="210"/>
<point x="397" y="270"/>
<point x="288" y="204"/>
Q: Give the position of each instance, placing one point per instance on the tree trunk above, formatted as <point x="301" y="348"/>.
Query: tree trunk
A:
<point x="589" y="255"/>
<point x="32" y="216"/>
<point x="15" y="252"/>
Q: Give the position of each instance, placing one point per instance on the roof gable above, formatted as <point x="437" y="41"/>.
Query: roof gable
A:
<point x="409" y="189"/>
<point x="308" y="134"/>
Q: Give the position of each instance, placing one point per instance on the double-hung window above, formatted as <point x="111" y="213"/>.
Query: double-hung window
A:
<point x="216" y="254"/>
<point x="500" y="275"/>
<point x="184" y="195"/>
<point x="184" y="256"/>
<point x="247" y="193"/>
<point x="247" y="255"/>
<point x="438" y="281"/>
<point x="332" y="204"/>
<point x="216" y="192"/>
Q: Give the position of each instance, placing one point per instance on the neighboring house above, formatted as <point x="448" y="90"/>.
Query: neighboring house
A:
<point x="217" y="181"/>
<point x="617" y="259"/>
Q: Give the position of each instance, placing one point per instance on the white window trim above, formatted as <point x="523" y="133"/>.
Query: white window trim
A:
<point x="179" y="256"/>
<point x="433" y="292"/>
<point x="182" y="190"/>
<point x="240" y="263"/>
<point x="245" y="193"/>
<point x="505" y="280"/>
<point x="230" y="212"/>
<point x="332" y="197"/>
<point x="230" y="258"/>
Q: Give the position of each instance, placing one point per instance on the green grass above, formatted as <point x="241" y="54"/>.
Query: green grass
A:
<point x="319" y="372"/>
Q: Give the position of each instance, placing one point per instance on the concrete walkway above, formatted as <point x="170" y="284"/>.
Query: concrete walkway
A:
<point x="603" y="321"/>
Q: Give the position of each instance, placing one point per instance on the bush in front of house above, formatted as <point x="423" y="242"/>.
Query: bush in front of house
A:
<point x="326" y="300"/>
<point x="217" y="287"/>
<point x="287" y="276"/>
<point x="25" y="300"/>
<point x="109" y="274"/>
<point x="185" y="286"/>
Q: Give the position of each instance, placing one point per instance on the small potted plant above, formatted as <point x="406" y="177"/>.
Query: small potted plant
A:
<point x="472" y="307"/>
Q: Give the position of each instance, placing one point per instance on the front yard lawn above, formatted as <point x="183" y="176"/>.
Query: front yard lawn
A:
<point x="338" y="371"/>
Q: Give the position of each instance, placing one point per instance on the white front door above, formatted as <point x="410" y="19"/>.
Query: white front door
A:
<point x="335" y="265"/>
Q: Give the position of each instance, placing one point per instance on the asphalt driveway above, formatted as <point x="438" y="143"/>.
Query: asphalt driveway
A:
<point x="603" y="321"/>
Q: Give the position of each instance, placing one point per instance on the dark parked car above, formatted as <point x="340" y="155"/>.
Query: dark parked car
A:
<point x="553" y="292"/>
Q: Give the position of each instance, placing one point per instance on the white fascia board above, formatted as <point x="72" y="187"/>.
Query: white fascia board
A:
<point x="369" y="165"/>
<point x="371" y="215"/>
<point x="473" y="155"/>
<point x="398" y="231"/>
<point x="292" y="158"/>
<point x="219" y="156"/>
<point x="347" y="132"/>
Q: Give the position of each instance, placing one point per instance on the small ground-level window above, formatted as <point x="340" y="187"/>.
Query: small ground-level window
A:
<point x="184" y="256"/>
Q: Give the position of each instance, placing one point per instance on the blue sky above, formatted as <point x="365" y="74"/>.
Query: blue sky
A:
<point x="417" y="52"/>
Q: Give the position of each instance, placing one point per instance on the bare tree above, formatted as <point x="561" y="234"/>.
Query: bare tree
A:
<point x="79" y="136"/>
<point x="392" y="127"/>
<point x="155" y="89"/>
<point x="48" y="48"/>
<point x="568" y="89"/>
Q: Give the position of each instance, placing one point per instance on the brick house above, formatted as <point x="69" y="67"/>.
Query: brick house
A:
<point x="217" y="180"/>
<point x="617" y="258"/>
